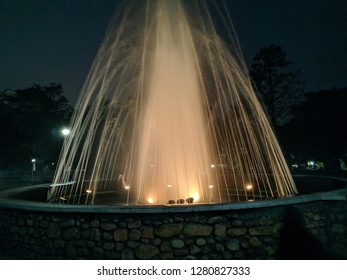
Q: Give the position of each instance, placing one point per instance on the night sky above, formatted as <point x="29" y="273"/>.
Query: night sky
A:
<point x="45" y="41"/>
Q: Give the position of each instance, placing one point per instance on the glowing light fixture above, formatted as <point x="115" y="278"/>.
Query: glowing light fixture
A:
<point x="196" y="196"/>
<point x="210" y="186"/>
<point x="249" y="187"/>
<point x="65" y="131"/>
<point x="150" y="200"/>
<point x="127" y="187"/>
<point x="89" y="191"/>
<point x="62" y="198"/>
<point x="169" y="186"/>
<point x="213" y="166"/>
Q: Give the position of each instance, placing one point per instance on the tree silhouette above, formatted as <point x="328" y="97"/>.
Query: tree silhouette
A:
<point x="277" y="86"/>
<point x="31" y="120"/>
<point x="318" y="128"/>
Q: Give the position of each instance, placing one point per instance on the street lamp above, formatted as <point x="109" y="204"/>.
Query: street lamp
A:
<point x="65" y="131"/>
<point x="33" y="169"/>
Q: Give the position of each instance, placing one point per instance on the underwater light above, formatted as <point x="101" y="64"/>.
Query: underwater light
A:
<point x="196" y="197"/>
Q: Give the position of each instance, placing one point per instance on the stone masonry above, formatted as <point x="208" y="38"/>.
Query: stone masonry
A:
<point x="233" y="234"/>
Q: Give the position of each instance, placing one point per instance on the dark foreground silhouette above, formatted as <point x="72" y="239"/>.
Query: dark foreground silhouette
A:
<point x="297" y="243"/>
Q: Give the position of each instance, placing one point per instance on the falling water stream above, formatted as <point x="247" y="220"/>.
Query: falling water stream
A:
<point x="168" y="115"/>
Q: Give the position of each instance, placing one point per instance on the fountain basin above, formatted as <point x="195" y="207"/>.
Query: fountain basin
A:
<point x="248" y="230"/>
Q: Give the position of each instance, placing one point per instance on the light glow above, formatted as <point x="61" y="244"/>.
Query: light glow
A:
<point x="150" y="200"/>
<point x="249" y="187"/>
<point x="196" y="197"/>
<point x="65" y="131"/>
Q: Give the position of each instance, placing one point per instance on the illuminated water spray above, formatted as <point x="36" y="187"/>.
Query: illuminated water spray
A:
<point x="168" y="116"/>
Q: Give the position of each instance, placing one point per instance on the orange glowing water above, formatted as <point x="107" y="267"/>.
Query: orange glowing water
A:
<point x="168" y="113"/>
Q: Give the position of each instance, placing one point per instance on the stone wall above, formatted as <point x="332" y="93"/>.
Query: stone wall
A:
<point x="309" y="230"/>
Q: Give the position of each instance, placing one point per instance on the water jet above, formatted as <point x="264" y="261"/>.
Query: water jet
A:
<point x="168" y="103"/>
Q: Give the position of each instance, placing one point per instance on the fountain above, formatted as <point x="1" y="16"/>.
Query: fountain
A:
<point x="167" y="134"/>
<point x="168" y="116"/>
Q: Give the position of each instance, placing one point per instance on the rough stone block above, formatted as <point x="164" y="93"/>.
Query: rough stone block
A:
<point x="144" y="252"/>
<point x="219" y="230"/>
<point x="135" y="224"/>
<point x="194" y="249"/>
<point x="120" y="235"/>
<point x="197" y="230"/>
<point x="168" y="230"/>
<point x="53" y="231"/>
<point x="233" y="245"/>
<point x="200" y="242"/>
<point x="260" y="231"/>
<point x="147" y="233"/>
<point x="70" y="233"/>
<point x="255" y="242"/>
<point x="108" y="226"/>
<point x="177" y="244"/>
<point x="237" y="231"/>
<point x="134" y="234"/>
<point x="95" y="234"/>
<point x="338" y="228"/>
<point x="215" y="220"/>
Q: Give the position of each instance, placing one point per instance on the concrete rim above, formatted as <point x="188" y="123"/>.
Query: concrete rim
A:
<point x="7" y="200"/>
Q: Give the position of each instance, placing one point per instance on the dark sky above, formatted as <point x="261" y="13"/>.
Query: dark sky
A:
<point x="56" y="40"/>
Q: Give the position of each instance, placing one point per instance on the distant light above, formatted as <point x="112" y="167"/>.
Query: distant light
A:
<point x="213" y="166"/>
<point x="127" y="187"/>
<point x="65" y="131"/>
<point x="250" y="200"/>
<point x="62" y="198"/>
<point x="249" y="187"/>
<point x="210" y="186"/>
<point x="89" y="191"/>
<point x="311" y="163"/>
<point x="169" y="186"/>
<point x="33" y="160"/>
<point x="150" y="200"/>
